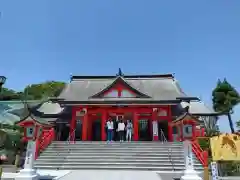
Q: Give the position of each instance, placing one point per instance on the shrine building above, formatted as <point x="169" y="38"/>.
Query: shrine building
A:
<point x="155" y="104"/>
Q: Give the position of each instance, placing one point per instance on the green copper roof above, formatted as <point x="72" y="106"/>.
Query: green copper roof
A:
<point x="12" y="112"/>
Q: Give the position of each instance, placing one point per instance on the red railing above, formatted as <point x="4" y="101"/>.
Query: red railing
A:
<point x="43" y="142"/>
<point x="200" y="154"/>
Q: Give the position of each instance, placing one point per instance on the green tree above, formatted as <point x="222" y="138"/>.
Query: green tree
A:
<point x="225" y="97"/>
<point x="11" y="144"/>
<point x="238" y="125"/>
<point x="43" y="90"/>
<point x="9" y="94"/>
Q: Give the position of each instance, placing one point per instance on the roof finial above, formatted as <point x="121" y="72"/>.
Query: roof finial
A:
<point x="119" y="72"/>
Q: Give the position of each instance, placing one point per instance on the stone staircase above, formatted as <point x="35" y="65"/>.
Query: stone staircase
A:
<point x="153" y="156"/>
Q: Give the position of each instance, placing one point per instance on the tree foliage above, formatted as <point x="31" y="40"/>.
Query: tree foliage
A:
<point x="34" y="91"/>
<point x="224" y="98"/>
<point x="10" y="141"/>
<point x="238" y="125"/>
<point x="9" y="94"/>
<point x="43" y="90"/>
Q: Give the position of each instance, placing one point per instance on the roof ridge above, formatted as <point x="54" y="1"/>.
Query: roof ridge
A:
<point x="124" y="76"/>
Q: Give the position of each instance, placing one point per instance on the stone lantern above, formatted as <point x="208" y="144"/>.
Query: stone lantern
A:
<point x="189" y="172"/>
<point x="32" y="130"/>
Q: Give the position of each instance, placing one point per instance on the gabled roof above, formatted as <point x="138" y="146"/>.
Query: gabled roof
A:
<point x="119" y="79"/>
<point x="198" y="108"/>
<point x="156" y="87"/>
<point x="38" y="120"/>
<point x="187" y="116"/>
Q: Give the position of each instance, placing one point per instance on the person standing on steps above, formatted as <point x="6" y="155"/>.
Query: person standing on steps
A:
<point x="121" y="128"/>
<point x="129" y="129"/>
<point x="115" y="129"/>
<point x="109" y="130"/>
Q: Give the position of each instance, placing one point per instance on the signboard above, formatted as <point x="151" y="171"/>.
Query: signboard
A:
<point x="214" y="171"/>
<point x="155" y="128"/>
<point x="225" y="147"/>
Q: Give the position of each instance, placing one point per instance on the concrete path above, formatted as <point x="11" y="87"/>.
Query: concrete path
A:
<point x="111" y="175"/>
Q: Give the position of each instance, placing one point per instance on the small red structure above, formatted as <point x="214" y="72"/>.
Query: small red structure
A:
<point x="37" y="129"/>
<point x="188" y="127"/>
<point x="33" y="127"/>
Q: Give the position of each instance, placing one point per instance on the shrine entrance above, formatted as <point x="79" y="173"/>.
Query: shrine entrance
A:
<point x="144" y="127"/>
<point x="91" y="125"/>
<point x="78" y="131"/>
<point x="64" y="133"/>
<point x="96" y="130"/>
<point x="162" y="130"/>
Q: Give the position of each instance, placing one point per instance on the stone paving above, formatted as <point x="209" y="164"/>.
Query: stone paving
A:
<point x="111" y="175"/>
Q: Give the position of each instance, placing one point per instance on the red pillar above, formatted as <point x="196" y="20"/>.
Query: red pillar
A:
<point x="179" y="132"/>
<point x="155" y="126"/>
<point x="103" y="124"/>
<point x="90" y="121"/>
<point x="202" y="132"/>
<point x="73" y="125"/>
<point x="84" y="127"/>
<point x="135" y="126"/>
<point x="170" y="129"/>
<point x="193" y="130"/>
<point x="182" y="126"/>
<point x="150" y="124"/>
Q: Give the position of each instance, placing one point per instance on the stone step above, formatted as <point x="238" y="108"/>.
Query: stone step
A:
<point x="96" y="161"/>
<point x="131" y="163"/>
<point x="114" y="156"/>
<point x="97" y="156"/>
<point x="114" y="167"/>
<point x="116" y="142"/>
<point x="159" y="154"/>
<point x="114" y="150"/>
<point x="112" y="159"/>
<point x="115" y="147"/>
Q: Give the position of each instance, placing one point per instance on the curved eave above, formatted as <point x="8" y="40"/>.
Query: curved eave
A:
<point x="207" y="114"/>
<point x="182" y="117"/>
<point x="188" y="98"/>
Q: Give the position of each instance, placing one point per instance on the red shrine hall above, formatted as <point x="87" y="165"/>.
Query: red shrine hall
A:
<point x="155" y="104"/>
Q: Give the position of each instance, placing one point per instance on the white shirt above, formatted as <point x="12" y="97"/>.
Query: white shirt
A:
<point x="110" y="125"/>
<point x="121" y="126"/>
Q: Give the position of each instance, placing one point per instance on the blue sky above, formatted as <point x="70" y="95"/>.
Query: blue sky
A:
<point x="199" y="41"/>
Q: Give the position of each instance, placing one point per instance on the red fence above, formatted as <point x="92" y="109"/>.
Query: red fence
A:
<point x="43" y="142"/>
<point x="200" y="154"/>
